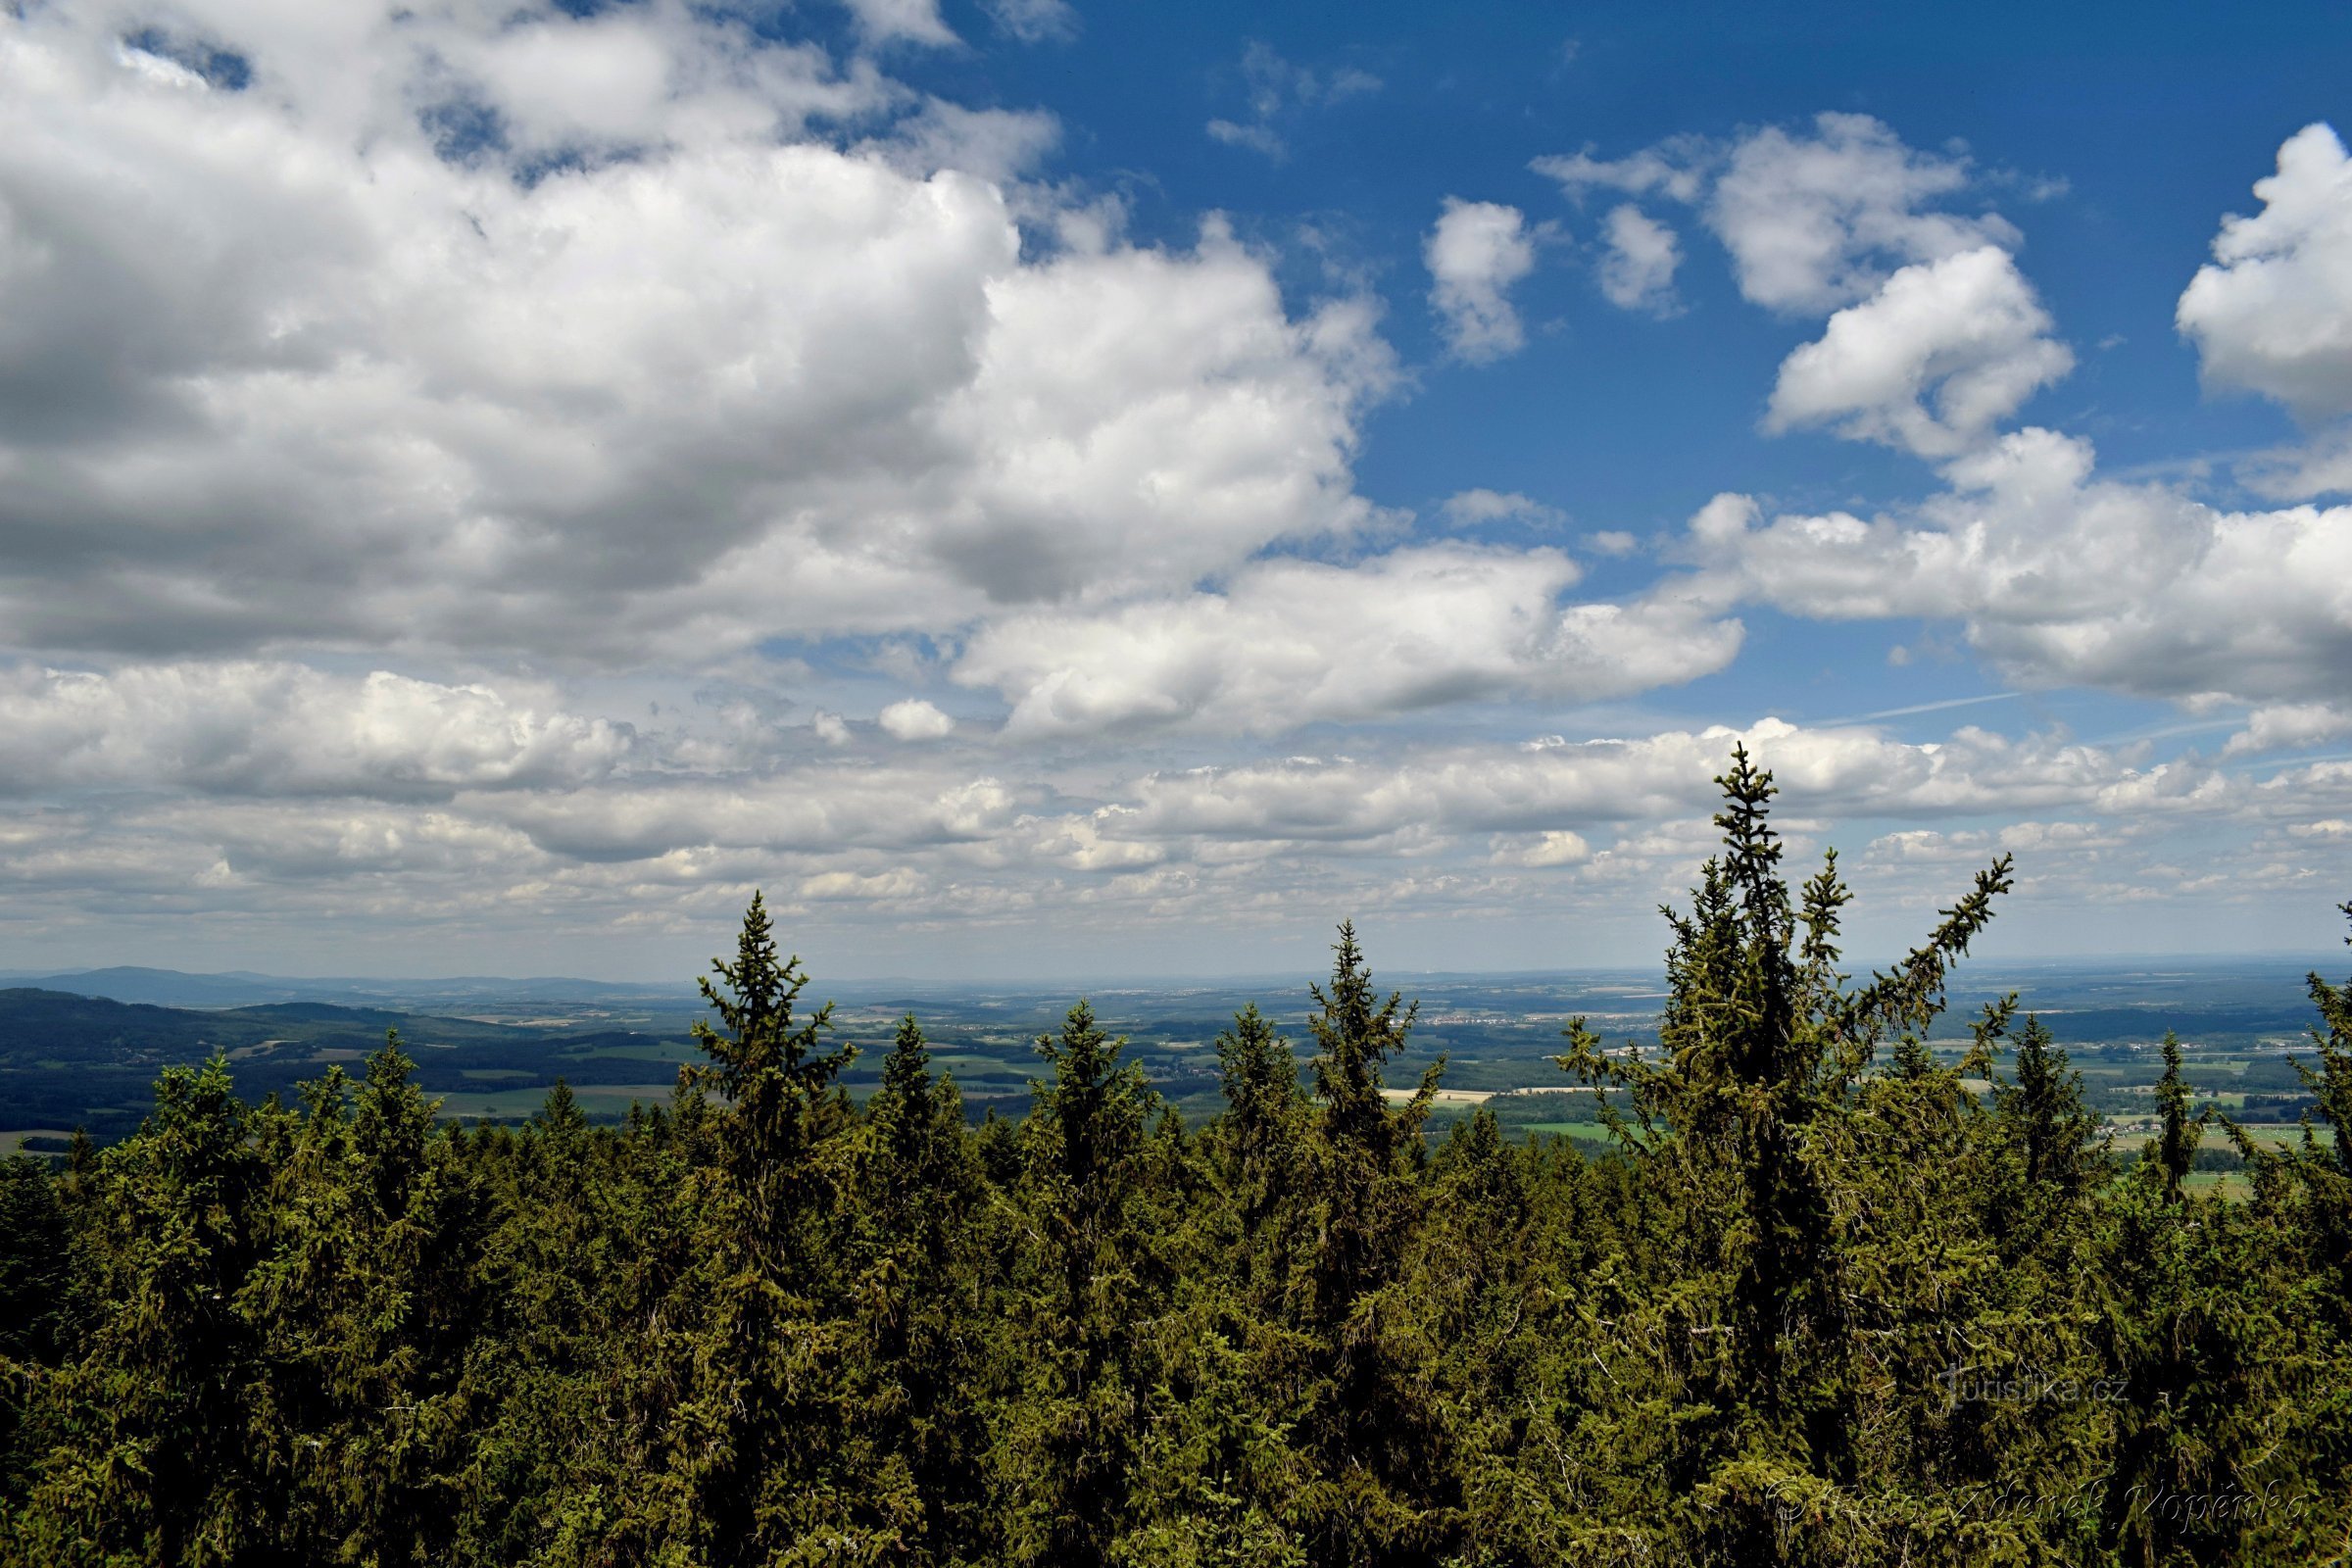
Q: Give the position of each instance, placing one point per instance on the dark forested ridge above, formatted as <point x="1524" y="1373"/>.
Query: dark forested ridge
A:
<point x="69" y="1060"/>
<point x="1821" y="1300"/>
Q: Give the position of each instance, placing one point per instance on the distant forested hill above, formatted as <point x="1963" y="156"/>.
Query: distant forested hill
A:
<point x="57" y="1025"/>
<point x="68" y="1062"/>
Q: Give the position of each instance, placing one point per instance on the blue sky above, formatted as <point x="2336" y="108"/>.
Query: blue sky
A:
<point x="1049" y="488"/>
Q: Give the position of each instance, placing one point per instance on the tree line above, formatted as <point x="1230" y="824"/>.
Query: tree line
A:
<point x="1822" y="1301"/>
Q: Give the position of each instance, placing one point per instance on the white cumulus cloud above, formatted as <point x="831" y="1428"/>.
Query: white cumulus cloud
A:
<point x="1677" y="169"/>
<point x="2062" y="577"/>
<point x="2289" y="726"/>
<point x="1476" y="251"/>
<point x="1931" y="362"/>
<point x="1814" y="219"/>
<point x="284" y="729"/>
<point x="1637" y="272"/>
<point x="2272" y="312"/>
<point x="464" y="329"/>
<point x="913" y="719"/>
<point x="1813" y="222"/>
<point x="1290" y="643"/>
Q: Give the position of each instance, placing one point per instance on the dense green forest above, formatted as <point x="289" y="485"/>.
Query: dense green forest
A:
<point x="1820" y="1301"/>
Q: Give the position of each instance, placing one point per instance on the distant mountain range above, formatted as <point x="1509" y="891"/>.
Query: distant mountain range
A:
<point x="2274" y="978"/>
<point x="237" y="988"/>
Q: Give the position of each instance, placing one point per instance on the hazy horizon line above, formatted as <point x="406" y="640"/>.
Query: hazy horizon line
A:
<point x="1857" y="967"/>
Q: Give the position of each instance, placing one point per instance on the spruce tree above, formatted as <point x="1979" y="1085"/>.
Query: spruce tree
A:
<point x="555" y="1304"/>
<point x="142" y="1434"/>
<point x="2044" y="1116"/>
<point x="33" y="1310"/>
<point x="1758" y="1344"/>
<point x="1384" y="1490"/>
<point x="2169" y="1156"/>
<point x="1080" y="1414"/>
<point x="927" y="1363"/>
<point x="762" y="1323"/>
<point x="1259" y="1148"/>
<point x="363" y="1305"/>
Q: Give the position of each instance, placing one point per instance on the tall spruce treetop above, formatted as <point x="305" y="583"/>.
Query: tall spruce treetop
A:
<point x="1259" y="1074"/>
<point x="1361" y="1143"/>
<point x="920" y="1176"/>
<point x="1377" y="1439"/>
<point x="1356" y="1033"/>
<point x="1758" y="1040"/>
<point x="1259" y="1151"/>
<point x="762" y="1462"/>
<point x="2175" y="1149"/>
<point x="391" y="1126"/>
<point x="903" y="1111"/>
<point x="1084" y="1177"/>
<point x="1264" y="1121"/>
<point x="768" y="1064"/>
<point x="1096" y="1110"/>
<point x="906" y="1070"/>
<point x="2324" y="1163"/>
<point x="2049" y="1155"/>
<point x="2046" y="1104"/>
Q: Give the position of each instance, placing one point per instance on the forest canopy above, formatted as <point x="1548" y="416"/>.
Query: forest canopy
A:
<point x="1824" y="1300"/>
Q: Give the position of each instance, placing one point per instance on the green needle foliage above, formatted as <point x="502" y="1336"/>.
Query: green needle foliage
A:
<point x="1827" y="1299"/>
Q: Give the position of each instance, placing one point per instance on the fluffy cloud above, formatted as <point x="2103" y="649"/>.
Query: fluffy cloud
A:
<point x="913" y="719"/>
<point x="631" y="350"/>
<point x="1942" y="351"/>
<point x="1290" y="643"/>
<point x="2322" y="465"/>
<point x="322" y="843"/>
<point x="994" y="144"/>
<point x="281" y="729"/>
<point x="1813" y="222"/>
<point x="1637" y="272"/>
<point x="1476" y="251"/>
<point x="1934" y="338"/>
<point x="422" y="341"/>
<point x="2289" y="726"/>
<point x="1558" y="847"/>
<point x="2273" y="311"/>
<point x="2061" y="577"/>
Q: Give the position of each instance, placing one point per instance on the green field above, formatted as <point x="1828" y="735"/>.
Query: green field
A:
<point x="2229" y="1183"/>
<point x="596" y="1101"/>
<point x="11" y="1139"/>
<point x="2264" y="1135"/>
<point x="1588" y="1132"/>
